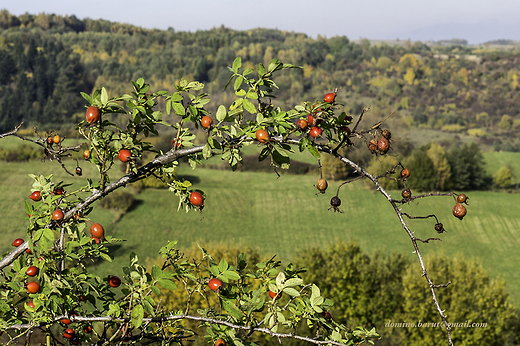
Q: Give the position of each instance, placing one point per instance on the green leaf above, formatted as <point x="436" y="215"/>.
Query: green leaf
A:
<point x="105" y="257"/>
<point x="84" y="241"/>
<point x="237" y="103"/>
<point x="293" y="282"/>
<point x="234" y="112"/>
<point x="17" y="265"/>
<point x="231" y="308"/>
<point x="37" y="235"/>
<point x="193" y="110"/>
<point x="49" y="234"/>
<point x="280" y="278"/>
<point x="214" y="270"/>
<point x="240" y="92"/>
<point x="221" y="113"/>
<point x="291" y="291"/>
<point x="137" y="315"/>
<point x="233" y="131"/>
<point x="274" y="65"/>
<point x="206" y="151"/>
<point x="195" y="85"/>
<point x="223" y="265"/>
<point x="281" y="159"/>
<point x="157" y="273"/>
<point x="231" y="275"/>
<point x="178" y="109"/>
<point x="113" y="309"/>
<point x="247" y="71"/>
<point x="252" y="95"/>
<point x="229" y="81"/>
<point x="168" y="284"/>
<point x="249" y="106"/>
<point x="28" y="208"/>
<point x="286" y="66"/>
<point x="156" y="290"/>
<point x="317" y="301"/>
<point x="238" y="82"/>
<point x="315" y="292"/>
<point x="86" y="97"/>
<point x="175" y="97"/>
<point x="104" y="95"/>
<point x="313" y="150"/>
<point x="237" y="64"/>
<point x="302" y="144"/>
<point x="147" y="306"/>
<point x="145" y="88"/>
<point x="263" y="154"/>
<point x="259" y="117"/>
<point x="261" y="69"/>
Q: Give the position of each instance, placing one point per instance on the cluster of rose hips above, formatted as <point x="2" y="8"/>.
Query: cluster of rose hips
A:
<point x="313" y="122"/>
<point x="96" y="230"/>
<point x="382" y="146"/>
<point x="459" y="210"/>
<point x="32" y="271"/>
<point x="310" y="123"/>
<point x="406" y="193"/>
<point x="315" y="131"/>
<point x="335" y="201"/>
<point x="70" y="333"/>
<point x="322" y="185"/>
<point x="93" y="115"/>
<point x="53" y="140"/>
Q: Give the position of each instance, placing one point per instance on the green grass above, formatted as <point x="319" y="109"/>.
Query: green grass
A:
<point x="495" y="160"/>
<point x="283" y="215"/>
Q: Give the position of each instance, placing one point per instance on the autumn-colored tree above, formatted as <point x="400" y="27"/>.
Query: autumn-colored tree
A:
<point x="442" y="168"/>
<point x="503" y="178"/>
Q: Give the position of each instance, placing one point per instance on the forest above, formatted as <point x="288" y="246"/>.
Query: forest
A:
<point x="46" y="60"/>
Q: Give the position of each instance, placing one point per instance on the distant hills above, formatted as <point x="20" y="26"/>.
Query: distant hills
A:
<point x="449" y="86"/>
<point x="474" y="33"/>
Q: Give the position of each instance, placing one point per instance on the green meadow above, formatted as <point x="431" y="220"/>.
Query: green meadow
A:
<point x="282" y="216"/>
<point x="496" y="160"/>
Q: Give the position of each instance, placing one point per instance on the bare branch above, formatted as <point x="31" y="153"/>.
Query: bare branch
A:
<point x="12" y="133"/>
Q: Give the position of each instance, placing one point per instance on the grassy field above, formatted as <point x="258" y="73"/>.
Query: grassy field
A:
<point x="503" y="159"/>
<point x="281" y="216"/>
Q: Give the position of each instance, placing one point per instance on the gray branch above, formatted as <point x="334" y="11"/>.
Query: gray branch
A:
<point x="173" y="155"/>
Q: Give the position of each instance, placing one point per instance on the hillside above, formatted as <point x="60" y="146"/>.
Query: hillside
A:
<point x="46" y="60"/>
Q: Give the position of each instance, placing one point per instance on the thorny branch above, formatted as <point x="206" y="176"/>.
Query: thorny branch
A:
<point x="175" y="154"/>
<point x="50" y="153"/>
<point x="414" y="240"/>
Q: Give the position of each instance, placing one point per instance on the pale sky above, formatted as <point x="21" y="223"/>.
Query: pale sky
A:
<point x="477" y="21"/>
